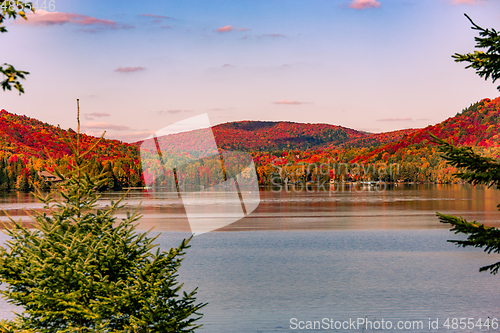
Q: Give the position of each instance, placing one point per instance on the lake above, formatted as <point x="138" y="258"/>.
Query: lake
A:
<point x="329" y="257"/>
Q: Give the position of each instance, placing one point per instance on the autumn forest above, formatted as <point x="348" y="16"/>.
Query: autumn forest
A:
<point x="282" y="151"/>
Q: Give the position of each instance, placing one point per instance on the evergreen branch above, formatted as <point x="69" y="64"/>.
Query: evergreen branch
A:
<point x="492" y="268"/>
<point x="94" y="144"/>
<point x="479" y="236"/>
<point x="486" y="63"/>
<point x="478" y="169"/>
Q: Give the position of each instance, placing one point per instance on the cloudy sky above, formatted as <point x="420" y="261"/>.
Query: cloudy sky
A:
<point x="372" y="65"/>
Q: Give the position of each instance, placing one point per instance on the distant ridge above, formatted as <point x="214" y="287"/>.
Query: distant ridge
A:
<point x="476" y="126"/>
<point x="259" y="136"/>
<point x="30" y="137"/>
<point x="277" y="136"/>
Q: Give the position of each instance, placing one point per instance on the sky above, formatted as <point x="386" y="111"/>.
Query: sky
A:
<point x="370" y="65"/>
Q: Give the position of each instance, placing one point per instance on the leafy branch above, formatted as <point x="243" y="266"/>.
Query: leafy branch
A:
<point x="13" y="76"/>
<point x="11" y="10"/>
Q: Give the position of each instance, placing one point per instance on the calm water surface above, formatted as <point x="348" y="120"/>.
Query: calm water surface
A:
<point x="338" y="255"/>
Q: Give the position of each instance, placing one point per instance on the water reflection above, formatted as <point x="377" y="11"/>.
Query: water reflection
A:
<point x="312" y="208"/>
<point x="328" y="260"/>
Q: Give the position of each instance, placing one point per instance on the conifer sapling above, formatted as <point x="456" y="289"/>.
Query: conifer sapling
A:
<point x="79" y="270"/>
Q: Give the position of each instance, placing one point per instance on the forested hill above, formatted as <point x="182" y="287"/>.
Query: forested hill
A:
<point x="22" y="135"/>
<point x="278" y="136"/>
<point x="373" y="139"/>
<point x="23" y="141"/>
<point x="477" y="126"/>
<point x="267" y="136"/>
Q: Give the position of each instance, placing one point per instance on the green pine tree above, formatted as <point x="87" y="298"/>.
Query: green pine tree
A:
<point x="80" y="270"/>
<point x="24" y="184"/>
<point x="487" y="62"/>
<point x="4" y="180"/>
<point x="476" y="168"/>
<point x="12" y="180"/>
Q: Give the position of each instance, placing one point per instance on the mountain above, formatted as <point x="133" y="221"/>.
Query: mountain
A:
<point x="259" y="136"/>
<point x="373" y="139"/>
<point x="477" y="126"/>
<point x="276" y="136"/>
<point x="30" y="137"/>
<point x="271" y="144"/>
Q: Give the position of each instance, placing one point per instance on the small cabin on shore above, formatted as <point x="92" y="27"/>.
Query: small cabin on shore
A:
<point x="48" y="177"/>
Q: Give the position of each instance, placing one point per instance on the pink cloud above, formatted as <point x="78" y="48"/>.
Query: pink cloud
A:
<point x="129" y="69"/>
<point x="131" y="137"/>
<point x="364" y="4"/>
<point x="467" y="2"/>
<point x="271" y="36"/>
<point x="395" y="119"/>
<point x="90" y="116"/>
<point x="126" y="136"/>
<point x="285" y="102"/>
<point x="105" y="126"/>
<point x="155" y="16"/>
<point x="227" y="28"/>
<point x="45" y="18"/>
<point x="175" y="111"/>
